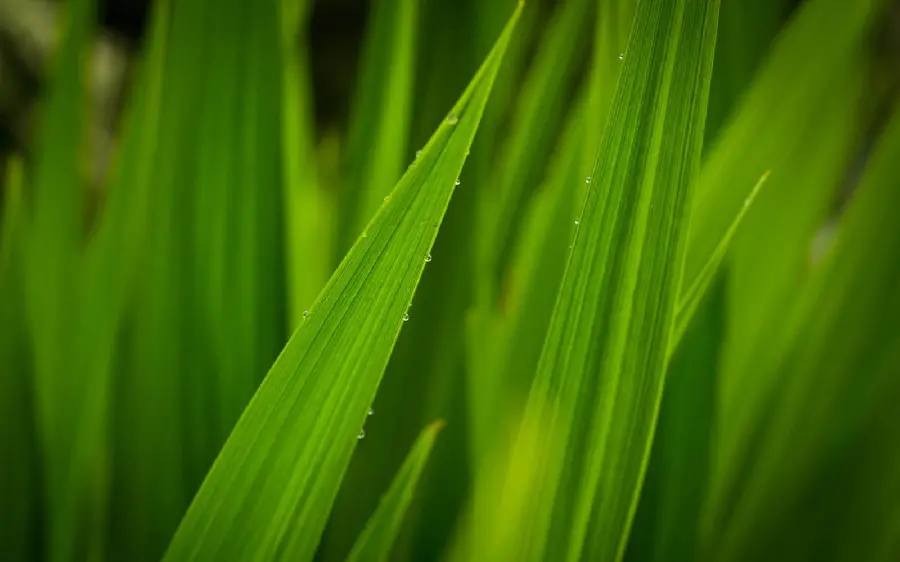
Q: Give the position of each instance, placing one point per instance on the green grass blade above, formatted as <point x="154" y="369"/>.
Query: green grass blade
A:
<point x="772" y="115"/>
<point x="53" y="278"/>
<point x="666" y="525"/>
<point x="505" y="340"/>
<point x="376" y="540"/>
<point x="308" y="207"/>
<point x="835" y="393"/>
<point x="19" y="478"/>
<point x="270" y="490"/>
<point x="614" y="19"/>
<point x="600" y="376"/>
<point x="693" y="295"/>
<point x="746" y="31"/>
<point x="381" y="116"/>
<point x="535" y="125"/>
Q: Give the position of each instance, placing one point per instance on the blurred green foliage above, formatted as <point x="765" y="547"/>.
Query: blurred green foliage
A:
<point x="659" y="318"/>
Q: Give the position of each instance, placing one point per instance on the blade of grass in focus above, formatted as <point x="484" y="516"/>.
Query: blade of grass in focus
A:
<point x="376" y="540"/>
<point x="600" y="375"/>
<point x="271" y="488"/>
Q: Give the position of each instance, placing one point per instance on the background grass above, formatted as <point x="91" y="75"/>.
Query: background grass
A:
<point x="740" y="406"/>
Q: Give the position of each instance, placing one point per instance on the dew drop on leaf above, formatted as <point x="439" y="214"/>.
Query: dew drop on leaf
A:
<point x="428" y="258"/>
<point x="452" y="119"/>
<point x="371" y="411"/>
<point x="362" y="434"/>
<point x="406" y="317"/>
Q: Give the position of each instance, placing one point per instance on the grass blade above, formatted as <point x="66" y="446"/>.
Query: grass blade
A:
<point x="308" y="208"/>
<point x="834" y="397"/>
<point x="693" y="295"/>
<point x="19" y="476"/>
<point x="376" y="540"/>
<point x="270" y="490"/>
<point x="381" y="116"/>
<point x="538" y="114"/>
<point x="666" y="525"/>
<point x="505" y="339"/>
<point x="772" y="116"/>
<point x="600" y="376"/>
<point x="63" y="395"/>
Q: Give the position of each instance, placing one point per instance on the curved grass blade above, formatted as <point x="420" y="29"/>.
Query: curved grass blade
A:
<point x="270" y="490"/>
<point x="600" y="376"/>
<point x="376" y="540"/>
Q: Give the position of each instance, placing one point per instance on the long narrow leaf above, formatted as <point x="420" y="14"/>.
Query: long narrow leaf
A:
<point x="270" y="490"/>
<point x="600" y="377"/>
<point x="376" y="540"/>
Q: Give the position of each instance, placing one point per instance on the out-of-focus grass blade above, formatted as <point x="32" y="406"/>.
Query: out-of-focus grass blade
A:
<point x="19" y="481"/>
<point x="535" y="124"/>
<point x="833" y="380"/>
<point x="379" y="135"/>
<point x="611" y="29"/>
<point x="52" y="284"/>
<point x="666" y="525"/>
<point x="505" y="339"/>
<point x="746" y="31"/>
<point x="376" y="540"/>
<point x="771" y="118"/>
<point x="601" y="371"/>
<point x="270" y="490"/>
<point x="771" y="254"/>
<point x="308" y="208"/>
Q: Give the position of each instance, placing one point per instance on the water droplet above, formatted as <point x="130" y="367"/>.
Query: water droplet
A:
<point x="576" y="221"/>
<point x="418" y="153"/>
<point x="621" y="56"/>
<point x="371" y="411"/>
<point x="306" y="314"/>
<point x="587" y="179"/>
<point x="457" y="182"/>
<point x="387" y="198"/>
<point x="365" y="234"/>
<point x="362" y="434"/>
<point x="452" y="119"/>
<point x="406" y="317"/>
<point x="428" y="258"/>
